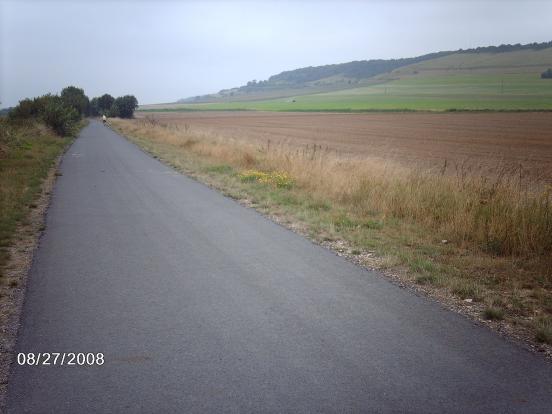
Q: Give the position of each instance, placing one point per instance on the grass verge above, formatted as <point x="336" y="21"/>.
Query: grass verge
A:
<point x="27" y="152"/>
<point x="470" y="240"/>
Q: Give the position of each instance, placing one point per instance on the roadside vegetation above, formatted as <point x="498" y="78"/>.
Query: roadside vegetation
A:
<point x="59" y="112"/>
<point x="484" y="243"/>
<point x="27" y="152"/>
<point x="32" y="136"/>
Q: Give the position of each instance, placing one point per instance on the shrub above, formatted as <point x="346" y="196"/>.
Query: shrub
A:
<point x="25" y="109"/>
<point x="60" y="117"/>
<point x="30" y="108"/>
<point x="58" y="112"/>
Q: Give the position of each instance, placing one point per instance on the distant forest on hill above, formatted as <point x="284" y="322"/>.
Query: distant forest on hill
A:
<point x="357" y="69"/>
<point x="352" y="71"/>
<point x="368" y="68"/>
<point x="507" y="48"/>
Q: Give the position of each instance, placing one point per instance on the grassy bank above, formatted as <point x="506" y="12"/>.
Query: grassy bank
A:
<point x="27" y="152"/>
<point x="477" y="92"/>
<point x="480" y="239"/>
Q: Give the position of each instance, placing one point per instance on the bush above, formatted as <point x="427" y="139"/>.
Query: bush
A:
<point x="59" y="116"/>
<point x="51" y="109"/>
<point x="30" y="108"/>
<point x="60" y="113"/>
<point x="25" y="109"/>
<point x="547" y="74"/>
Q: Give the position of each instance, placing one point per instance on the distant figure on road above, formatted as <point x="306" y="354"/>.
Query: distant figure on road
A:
<point x="104" y="118"/>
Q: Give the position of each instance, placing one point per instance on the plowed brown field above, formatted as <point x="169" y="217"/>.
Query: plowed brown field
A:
<point x="481" y="142"/>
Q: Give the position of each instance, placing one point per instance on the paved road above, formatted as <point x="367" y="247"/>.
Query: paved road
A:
<point x="201" y="305"/>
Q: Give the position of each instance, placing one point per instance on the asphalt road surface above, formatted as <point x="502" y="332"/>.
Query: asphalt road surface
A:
<point x="202" y="305"/>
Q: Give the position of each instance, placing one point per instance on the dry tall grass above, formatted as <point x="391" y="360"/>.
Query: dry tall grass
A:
<point x="501" y="215"/>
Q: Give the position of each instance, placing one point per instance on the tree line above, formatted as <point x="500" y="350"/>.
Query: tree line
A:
<point x="62" y="112"/>
<point x="508" y="48"/>
<point x="121" y="107"/>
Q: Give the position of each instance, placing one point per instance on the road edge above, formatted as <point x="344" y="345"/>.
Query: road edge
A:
<point x="21" y="254"/>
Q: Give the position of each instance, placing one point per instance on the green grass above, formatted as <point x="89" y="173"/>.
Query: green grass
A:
<point x="219" y="169"/>
<point x="543" y="327"/>
<point x="493" y="313"/>
<point x="467" y="289"/>
<point x="510" y="92"/>
<point x="27" y="152"/>
<point x="521" y="61"/>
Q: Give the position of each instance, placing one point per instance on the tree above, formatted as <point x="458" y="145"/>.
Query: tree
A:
<point x="547" y="74"/>
<point x="124" y="106"/>
<point x="94" y="108"/>
<point x="105" y="102"/>
<point x="75" y="98"/>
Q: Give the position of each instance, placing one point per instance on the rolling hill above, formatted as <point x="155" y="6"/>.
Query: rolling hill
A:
<point x="503" y="77"/>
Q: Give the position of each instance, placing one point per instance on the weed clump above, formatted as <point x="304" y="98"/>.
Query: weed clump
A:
<point x="277" y="179"/>
<point x="543" y="327"/>
<point x="467" y="289"/>
<point x="427" y="279"/>
<point x="493" y="313"/>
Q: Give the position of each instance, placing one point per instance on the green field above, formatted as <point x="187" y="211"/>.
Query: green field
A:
<point x="430" y="93"/>
<point x="506" y="81"/>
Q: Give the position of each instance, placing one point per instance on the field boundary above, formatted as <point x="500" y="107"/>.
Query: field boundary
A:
<point x="348" y="111"/>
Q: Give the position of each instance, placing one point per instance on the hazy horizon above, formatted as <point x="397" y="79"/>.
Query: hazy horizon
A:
<point x="163" y="51"/>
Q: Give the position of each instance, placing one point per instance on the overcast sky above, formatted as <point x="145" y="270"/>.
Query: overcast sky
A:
<point x="161" y="51"/>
